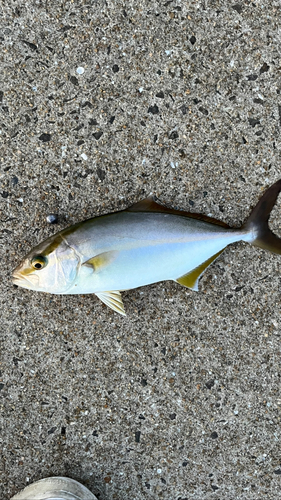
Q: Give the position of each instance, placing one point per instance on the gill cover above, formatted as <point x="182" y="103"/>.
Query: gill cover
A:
<point x="50" y="267"/>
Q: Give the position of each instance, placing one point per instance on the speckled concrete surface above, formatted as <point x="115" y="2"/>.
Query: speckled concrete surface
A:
<point x="181" y="399"/>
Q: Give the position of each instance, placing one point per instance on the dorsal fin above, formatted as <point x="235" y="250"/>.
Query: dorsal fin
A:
<point x="149" y="205"/>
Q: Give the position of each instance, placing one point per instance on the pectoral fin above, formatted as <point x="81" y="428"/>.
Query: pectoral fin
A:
<point x="112" y="300"/>
<point x="191" y="279"/>
<point x="100" y="261"/>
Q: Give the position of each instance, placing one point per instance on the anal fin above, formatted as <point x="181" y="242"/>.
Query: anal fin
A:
<point x="191" y="279"/>
<point x="112" y="300"/>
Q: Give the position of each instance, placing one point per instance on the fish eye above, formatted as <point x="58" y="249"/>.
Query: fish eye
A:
<point x="39" y="262"/>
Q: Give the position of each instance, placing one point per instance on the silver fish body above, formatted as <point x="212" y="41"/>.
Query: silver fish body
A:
<point x="145" y="244"/>
<point x="144" y="248"/>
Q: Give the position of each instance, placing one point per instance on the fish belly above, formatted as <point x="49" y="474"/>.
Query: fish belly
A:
<point x="146" y="265"/>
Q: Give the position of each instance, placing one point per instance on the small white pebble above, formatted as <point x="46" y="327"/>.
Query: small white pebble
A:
<point x="159" y="471"/>
<point x="34" y="88"/>
<point x="20" y="200"/>
<point x="80" y="70"/>
<point x="168" y="52"/>
<point x="141" y="89"/>
<point x="84" y="156"/>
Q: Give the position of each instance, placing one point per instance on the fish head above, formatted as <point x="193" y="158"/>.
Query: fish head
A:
<point x="50" y="267"/>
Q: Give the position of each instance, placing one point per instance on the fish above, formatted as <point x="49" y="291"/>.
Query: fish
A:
<point x="144" y="244"/>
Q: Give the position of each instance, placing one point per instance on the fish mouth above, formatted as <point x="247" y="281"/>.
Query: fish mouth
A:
<point x="22" y="281"/>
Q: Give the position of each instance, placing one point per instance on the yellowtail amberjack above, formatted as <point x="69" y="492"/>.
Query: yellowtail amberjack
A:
<point x="144" y="244"/>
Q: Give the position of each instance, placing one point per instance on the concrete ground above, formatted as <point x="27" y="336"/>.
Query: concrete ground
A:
<point x="103" y="103"/>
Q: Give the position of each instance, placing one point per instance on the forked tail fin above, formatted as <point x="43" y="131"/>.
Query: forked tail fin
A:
<point x="258" y="221"/>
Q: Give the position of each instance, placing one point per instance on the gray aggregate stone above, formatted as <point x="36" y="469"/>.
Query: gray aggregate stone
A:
<point x="180" y="399"/>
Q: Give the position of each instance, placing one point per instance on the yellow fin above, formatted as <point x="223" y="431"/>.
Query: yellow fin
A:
<point x="191" y="279"/>
<point x="100" y="261"/>
<point x="112" y="300"/>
